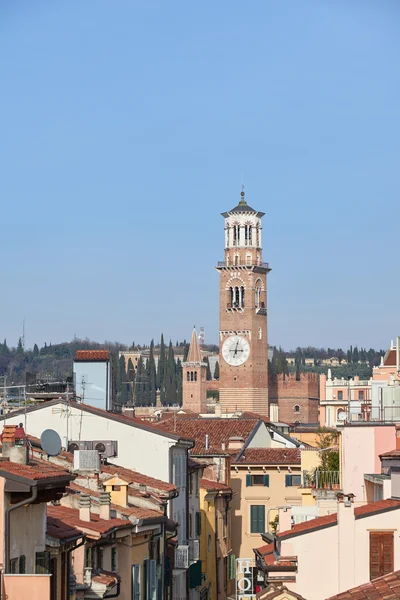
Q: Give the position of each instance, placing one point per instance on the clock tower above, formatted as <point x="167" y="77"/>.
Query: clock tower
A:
<point x="243" y="341"/>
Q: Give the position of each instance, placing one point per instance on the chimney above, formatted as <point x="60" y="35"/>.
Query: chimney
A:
<point x="397" y="437"/>
<point x="84" y="507"/>
<point x="218" y="409"/>
<point x="346" y="541"/>
<point x="285" y="518"/>
<point x="235" y="442"/>
<point x="207" y="442"/>
<point x="15" y="444"/>
<point x="105" y="500"/>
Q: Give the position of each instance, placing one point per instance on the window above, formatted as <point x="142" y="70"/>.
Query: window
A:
<point x="100" y="558"/>
<point x="135" y="582"/>
<point x="116" y="488"/>
<point x="114" y="559"/>
<point x="14" y="566"/>
<point x="361" y="395"/>
<point x="226" y="566"/>
<point x="260" y="333"/>
<point x="380" y="553"/>
<point x="88" y="558"/>
<point x="188" y="375"/>
<point x="42" y="561"/>
<point x="198" y="524"/>
<point x="293" y="480"/>
<point x="340" y="395"/>
<point x="257" y="480"/>
<point x="22" y="565"/>
<point x="257" y="519"/>
<point x="195" y="375"/>
<point x="297" y="408"/>
<point x="232" y="566"/>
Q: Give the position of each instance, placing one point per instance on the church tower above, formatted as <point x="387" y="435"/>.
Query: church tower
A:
<point x="194" y="377"/>
<point x="243" y="313"/>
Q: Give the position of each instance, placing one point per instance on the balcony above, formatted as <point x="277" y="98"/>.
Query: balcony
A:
<point x="34" y="587"/>
<point x="225" y="265"/>
<point x="321" y="480"/>
<point x="182" y="557"/>
<point x="194" y="550"/>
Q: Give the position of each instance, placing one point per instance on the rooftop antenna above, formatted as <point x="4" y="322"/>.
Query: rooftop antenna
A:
<point x="50" y="442"/>
<point x="23" y="333"/>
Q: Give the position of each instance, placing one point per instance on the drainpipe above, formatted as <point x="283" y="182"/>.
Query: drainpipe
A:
<point x="117" y="593"/>
<point x="69" y="565"/>
<point x="7" y="526"/>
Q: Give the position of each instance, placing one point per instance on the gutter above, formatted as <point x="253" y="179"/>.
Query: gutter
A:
<point x="7" y="525"/>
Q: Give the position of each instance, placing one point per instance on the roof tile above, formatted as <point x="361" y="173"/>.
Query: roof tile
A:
<point x="35" y="470"/>
<point x="383" y="588"/>
<point x="271" y="456"/>
<point x="214" y="486"/>
<point x="70" y="516"/>
<point x="91" y="355"/>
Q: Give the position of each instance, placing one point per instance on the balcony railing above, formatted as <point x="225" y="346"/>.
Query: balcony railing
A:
<point x="194" y="550"/>
<point x="321" y="480"/>
<point x="182" y="557"/>
<point x="223" y="263"/>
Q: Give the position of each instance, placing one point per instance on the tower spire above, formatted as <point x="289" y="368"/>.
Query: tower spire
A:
<point x="194" y="354"/>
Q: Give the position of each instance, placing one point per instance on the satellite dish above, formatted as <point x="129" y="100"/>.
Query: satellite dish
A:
<point x="50" y="442"/>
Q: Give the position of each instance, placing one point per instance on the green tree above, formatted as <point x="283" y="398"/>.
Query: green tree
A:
<point x="35" y="350"/>
<point x="185" y="351"/>
<point x="20" y="348"/>
<point x="216" y="370"/>
<point x="208" y="370"/>
<point x="179" y="382"/>
<point x="130" y="375"/>
<point x="152" y="376"/>
<point x="141" y="391"/>
<point x="161" y="364"/>
<point x="5" y="351"/>
<point x="327" y="440"/>
<point x="356" y="356"/>
<point x="170" y="378"/>
<point x="123" y="395"/>
<point x="298" y="371"/>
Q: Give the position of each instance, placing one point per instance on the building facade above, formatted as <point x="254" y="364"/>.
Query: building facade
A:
<point x="243" y="313"/>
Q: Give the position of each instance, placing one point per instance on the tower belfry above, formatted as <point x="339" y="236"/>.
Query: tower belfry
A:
<point x="243" y="313"/>
<point x="194" y="377"/>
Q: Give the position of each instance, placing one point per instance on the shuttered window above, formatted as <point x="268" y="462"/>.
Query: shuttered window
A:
<point x="380" y="553"/>
<point x="257" y="519"/>
<point x="136" y="582"/>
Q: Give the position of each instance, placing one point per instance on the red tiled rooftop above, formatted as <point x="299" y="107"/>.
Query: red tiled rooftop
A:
<point x="390" y="358"/>
<point x="383" y="588"/>
<point x="35" y="470"/>
<point x="218" y="430"/>
<point x="212" y="486"/>
<point x="92" y="355"/>
<point x="139" y="479"/>
<point x="391" y="454"/>
<point x="328" y="520"/>
<point x="271" y="456"/>
<point x="70" y="516"/>
<point x="106" y="578"/>
<point x="56" y="528"/>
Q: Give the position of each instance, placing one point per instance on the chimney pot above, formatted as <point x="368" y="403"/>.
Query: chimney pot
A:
<point x="105" y="500"/>
<point x="84" y="507"/>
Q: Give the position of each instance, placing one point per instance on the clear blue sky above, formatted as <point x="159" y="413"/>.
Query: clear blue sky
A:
<point x="125" y="129"/>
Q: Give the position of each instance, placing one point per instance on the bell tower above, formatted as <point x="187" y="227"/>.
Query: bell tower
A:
<point x="243" y="355"/>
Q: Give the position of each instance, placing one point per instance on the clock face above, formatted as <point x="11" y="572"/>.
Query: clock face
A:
<point x="235" y="350"/>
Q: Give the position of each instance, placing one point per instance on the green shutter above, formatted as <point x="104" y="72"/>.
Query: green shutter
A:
<point x="288" y="479"/>
<point x="249" y="480"/>
<point x="232" y="566"/>
<point x="261" y="519"/>
<point x="266" y="480"/>
<point x="198" y="524"/>
<point x="195" y="577"/>
<point x="253" y="519"/>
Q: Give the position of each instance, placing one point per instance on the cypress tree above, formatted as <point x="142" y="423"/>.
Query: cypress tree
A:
<point x="161" y="364"/>
<point x="298" y="376"/>
<point x="140" y="394"/>
<point x="130" y="375"/>
<point x="123" y="385"/>
<point x="208" y="371"/>
<point x="35" y="350"/>
<point x="152" y="376"/>
<point x="5" y="351"/>
<point x="20" y="348"/>
<point x="216" y="370"/>
<point x="170" y="377"/>
<point x="179" y="381"/>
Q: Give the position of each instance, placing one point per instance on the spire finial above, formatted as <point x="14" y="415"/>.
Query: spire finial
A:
<point x="242" y="200"/>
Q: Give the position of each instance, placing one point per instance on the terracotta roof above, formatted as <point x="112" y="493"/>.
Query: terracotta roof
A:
<point x="253" y="415"/>
<point x="390" y="358"/>
<point x="138" y="478"/>
<point x="329" y="520"/>
<point x="129" y="511"/>
<point x="11" y="433"/>
<point x="271" y="456"/>
<point x="56" y="528"/>
<point x="70" y="516"/>
<point x="218" y="430"/>
<point x="194" y="354"/>
<point x="214" y="486"/>
<point x="383" y="588"/>
<point x="264" y="550"/>
<point x="35" y="470"/>
<point x="277" y="591"/>
<point x="91" y="355"/>
<point x="391" y="454"/>
<point x="106" y="578"/>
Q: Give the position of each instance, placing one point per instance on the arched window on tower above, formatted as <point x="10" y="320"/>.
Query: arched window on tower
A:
<point x="191" y="375"/>
<point x="188" y="375"/>
<point x="236" y="259"/>
<point x="250" y="235"/>
<point x="260" y="333"/>
<point x="248" y="259"/>
<point x="246" y="234"/>
<point x="257" y="236"/>
<point x="242" y="296"/>
<point x="195" y="375"/>
<point x="236" y="302"/>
